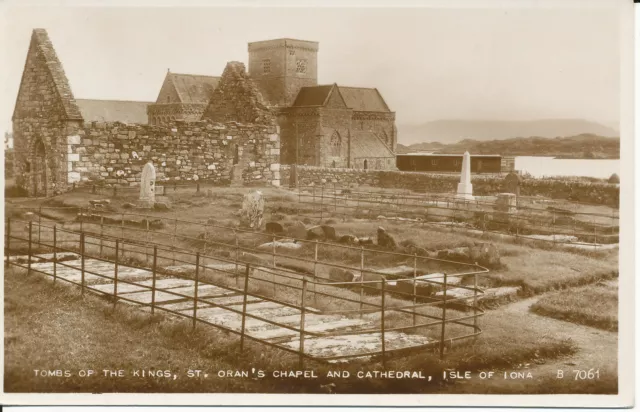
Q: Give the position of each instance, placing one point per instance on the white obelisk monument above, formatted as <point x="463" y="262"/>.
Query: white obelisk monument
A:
<point x="465" y="188"/>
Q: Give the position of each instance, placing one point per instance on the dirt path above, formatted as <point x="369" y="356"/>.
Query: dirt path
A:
<point x="597" y="349"/>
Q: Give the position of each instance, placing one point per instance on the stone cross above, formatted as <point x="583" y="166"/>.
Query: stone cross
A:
<point x="148" y="184"/>
<point x="465" y="188"/>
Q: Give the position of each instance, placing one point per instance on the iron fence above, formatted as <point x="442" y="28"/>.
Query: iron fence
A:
<point x="285" y="286"/>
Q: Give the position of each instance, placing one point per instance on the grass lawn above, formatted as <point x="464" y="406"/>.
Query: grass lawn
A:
<point x="595" y="306"/>
<point x="537" y="270"/>
<point x="51" y="327"/>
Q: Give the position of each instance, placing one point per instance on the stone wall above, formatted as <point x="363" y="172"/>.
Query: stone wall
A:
<point x="114" y="153"/>
<point x="596" y="193"/>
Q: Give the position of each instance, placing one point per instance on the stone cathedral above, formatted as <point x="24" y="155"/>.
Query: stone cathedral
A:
<point x="320" y="125"/>
<point x="236" y="127"/>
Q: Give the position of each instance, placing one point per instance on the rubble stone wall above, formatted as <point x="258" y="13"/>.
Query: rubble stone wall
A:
<point x="114" y="153"/>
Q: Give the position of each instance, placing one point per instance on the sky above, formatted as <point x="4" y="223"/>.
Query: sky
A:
<point x="428" y="63"/>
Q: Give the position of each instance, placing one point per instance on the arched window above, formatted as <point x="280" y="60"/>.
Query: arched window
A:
<point x="335" y="144"/>
<point x="365" y="164"/>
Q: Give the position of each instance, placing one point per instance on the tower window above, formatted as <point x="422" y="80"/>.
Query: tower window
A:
<point x="266" y="66"/>
<point x="168" y="99"/>
<point x="301" y="66"/>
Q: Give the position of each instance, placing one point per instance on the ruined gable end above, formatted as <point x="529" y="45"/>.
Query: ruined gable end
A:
<point x="44" y="116"/>
<point x="44" y="85"/>
<point x="236" y="98"/>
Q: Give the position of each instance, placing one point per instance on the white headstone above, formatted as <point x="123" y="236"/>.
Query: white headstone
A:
<point x="465" y="188"/>
<point x="148" y="184"/>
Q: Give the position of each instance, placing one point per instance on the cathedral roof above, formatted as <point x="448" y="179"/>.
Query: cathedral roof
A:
<point x="363" y="99"/>
<point x="313" y="96"/>
<point x="113" y="111"/>
<point x="193" y="88"/>
<point x="356" y="98"/>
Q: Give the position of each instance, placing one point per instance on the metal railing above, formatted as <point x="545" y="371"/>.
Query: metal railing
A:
<point x="420" y="312"/>
<point x="551" y="225"/>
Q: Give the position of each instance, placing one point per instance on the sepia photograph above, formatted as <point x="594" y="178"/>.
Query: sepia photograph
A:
<point x="318" y="204"/>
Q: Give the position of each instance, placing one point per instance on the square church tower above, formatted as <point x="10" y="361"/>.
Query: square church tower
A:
<point x="281" y="67"/>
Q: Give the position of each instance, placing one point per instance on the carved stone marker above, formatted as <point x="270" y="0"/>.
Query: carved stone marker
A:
<point x="465" y="188"/>
<point x="512" y="183"/>
<point x="252" y="210"/>
<point x="148" y="185"/>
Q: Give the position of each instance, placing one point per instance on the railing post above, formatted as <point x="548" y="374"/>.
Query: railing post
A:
<point x="444" y="316"/>
<point x="146" y="249"/>
<point x="315" y="272"/>
<point x="235" y="235"/>
<point x="82" y="249"/>
<point x="415" y="275"/>
<point x="302" y="313"/>
<point x="115" y="276"/>
<point x="244" y="305"/>
<point x="175" y="235"/>
<point x="273" y="275"/>
<point x="7" y="244"/>
<point x="475" y="303"/>
<point x="361" y="277"/>
<point x="122" y="227"/>
<point x="39" y="224"/>
<point x="153" y="281"/>
<point x="273" y="251"/>
<point x="384" y="282"/>
<point x="101" y="233"/>
<point x="195" y="292"/>
<point x="30" y="250"/>
<point x="55" y="254"/>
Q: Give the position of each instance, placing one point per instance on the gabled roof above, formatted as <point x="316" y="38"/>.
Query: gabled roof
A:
<point x="113" y="111"/>
<point x="356" y="98"/>
<point x="313" y="96"/>
<point x="363" y="99"/>
<point x="367" y="144"/>
<point x="41" y="45"/>
<point x="193" y="88"/>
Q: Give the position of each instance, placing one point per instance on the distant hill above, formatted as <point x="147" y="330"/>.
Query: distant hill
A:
<point x="580" y="146"/>
<point x="452" y="131"/>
